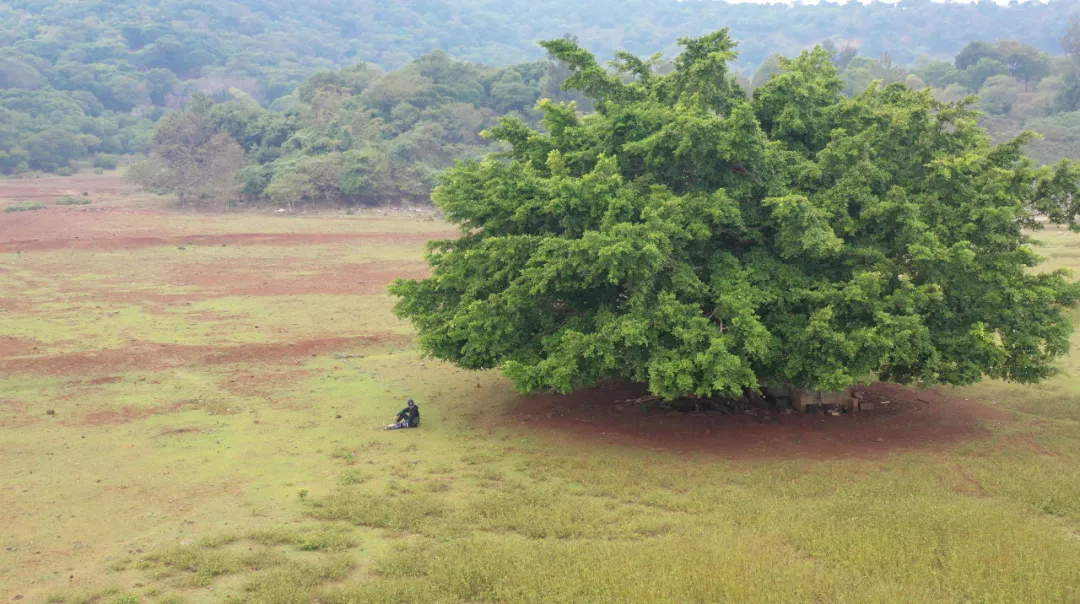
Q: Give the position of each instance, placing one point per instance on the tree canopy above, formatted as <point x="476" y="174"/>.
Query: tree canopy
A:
<point x="704" y="243"/>
<point x="190" y="158"/>
<point x="358" y="135"/>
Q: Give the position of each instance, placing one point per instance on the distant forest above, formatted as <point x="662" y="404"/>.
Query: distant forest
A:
<point x="87" y="81"/>
<point x="277" y="41"/>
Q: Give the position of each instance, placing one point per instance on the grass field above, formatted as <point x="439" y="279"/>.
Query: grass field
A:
<point x="191" y="411"/>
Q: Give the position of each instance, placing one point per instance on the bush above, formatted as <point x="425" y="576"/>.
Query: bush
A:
<point x="998" y="95"/>
<point x="106" y="161"/>
<point x="69" y="200"/>
<point x="254" y="179"/>
<point x="65" y="171"/>
<point x="25" y="206"/>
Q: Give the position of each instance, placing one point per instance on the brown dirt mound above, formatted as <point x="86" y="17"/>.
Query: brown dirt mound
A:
<point x="156" y="357"/>
<point x="904" y="419"/>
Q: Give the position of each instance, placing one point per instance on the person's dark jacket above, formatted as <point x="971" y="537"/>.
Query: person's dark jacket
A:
<point x="410" y="413"/>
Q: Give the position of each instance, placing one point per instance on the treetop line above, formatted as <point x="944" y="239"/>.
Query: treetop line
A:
<point x="83" y="83"/>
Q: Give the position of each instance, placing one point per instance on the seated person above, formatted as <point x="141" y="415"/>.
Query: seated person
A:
<point x="409" y="417"/>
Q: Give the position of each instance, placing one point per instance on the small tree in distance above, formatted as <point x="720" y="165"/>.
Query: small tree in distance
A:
<point x="189" y="158"/>
<point x="704" y="243"/>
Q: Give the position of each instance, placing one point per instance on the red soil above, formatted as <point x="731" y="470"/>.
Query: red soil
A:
<point x="155" y="357"/>
<point x="16" y="347"/>
<point x="122" y="415"/>
<point x="105" y="226"/>
<point x="48" y="189"/>
<point x="113" y="242"/>
<point x="281" y="277"/>
<point x="14" y="414"/>
<point x="910" y="419"/>
<point x="245" y="382"/>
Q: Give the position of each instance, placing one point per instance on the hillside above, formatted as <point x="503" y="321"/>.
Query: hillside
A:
<point x="85" y="81"/>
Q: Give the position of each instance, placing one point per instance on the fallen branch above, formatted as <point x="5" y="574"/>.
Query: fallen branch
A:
<point x="640" y="400"/>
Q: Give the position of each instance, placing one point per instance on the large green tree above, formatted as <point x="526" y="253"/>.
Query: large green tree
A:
<point x="689" y="238"/>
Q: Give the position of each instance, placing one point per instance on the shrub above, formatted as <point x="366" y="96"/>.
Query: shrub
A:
<point x="25" y="206"/>
<point x="106" y="161"/>
<point x="254" y="179"/>
<point x="69" y="200"/>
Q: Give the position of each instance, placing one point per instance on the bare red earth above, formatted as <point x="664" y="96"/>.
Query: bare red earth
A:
<point x="285" y="277"/>
<point x="48" y="189"/>
<point x="111" y="228"/>
<point x="903" y="419"/>
<point x="146" y="356"/>
<point x="16" y="347"/>
<point x="122" y="415"/>
<point x="116" y="242"/>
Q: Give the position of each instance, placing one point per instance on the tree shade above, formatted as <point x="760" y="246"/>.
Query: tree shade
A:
<point x="704" y="243"/>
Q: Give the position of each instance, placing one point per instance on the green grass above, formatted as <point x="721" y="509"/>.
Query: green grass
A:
<point x="320" y="539"/>
<point x="68" y="200"/>
<point x="25" y="206"/>
<point x="253" y="478"/>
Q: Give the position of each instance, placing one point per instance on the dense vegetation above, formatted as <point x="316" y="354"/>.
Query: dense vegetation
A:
<point x="83" y="80"/>
<point x="1019" y="87"/>
<point x="704" y="243"/>
<point x="47" y="129"/>
<point x="354" y="134"/>
<point x="358" y="135"/>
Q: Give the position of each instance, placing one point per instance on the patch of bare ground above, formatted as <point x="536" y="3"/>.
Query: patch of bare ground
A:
<point x="130" y="413"/>
<point x="48" y="189"/>
<point x="90" y="241"/>
<point x="263" y="383"/>
<point x="11" y="346"/>
<point x="277" y="277"/>
<point x="15" y="414"/>
<point x="209" y="280"/>
<point x="364" y="278"/>
<point x="148" y="356"/>
<point x="109" y="226"/>
<point x="903" y="419"/>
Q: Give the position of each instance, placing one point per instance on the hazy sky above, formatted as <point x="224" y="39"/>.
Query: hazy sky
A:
<point x="1002" y="2"/>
